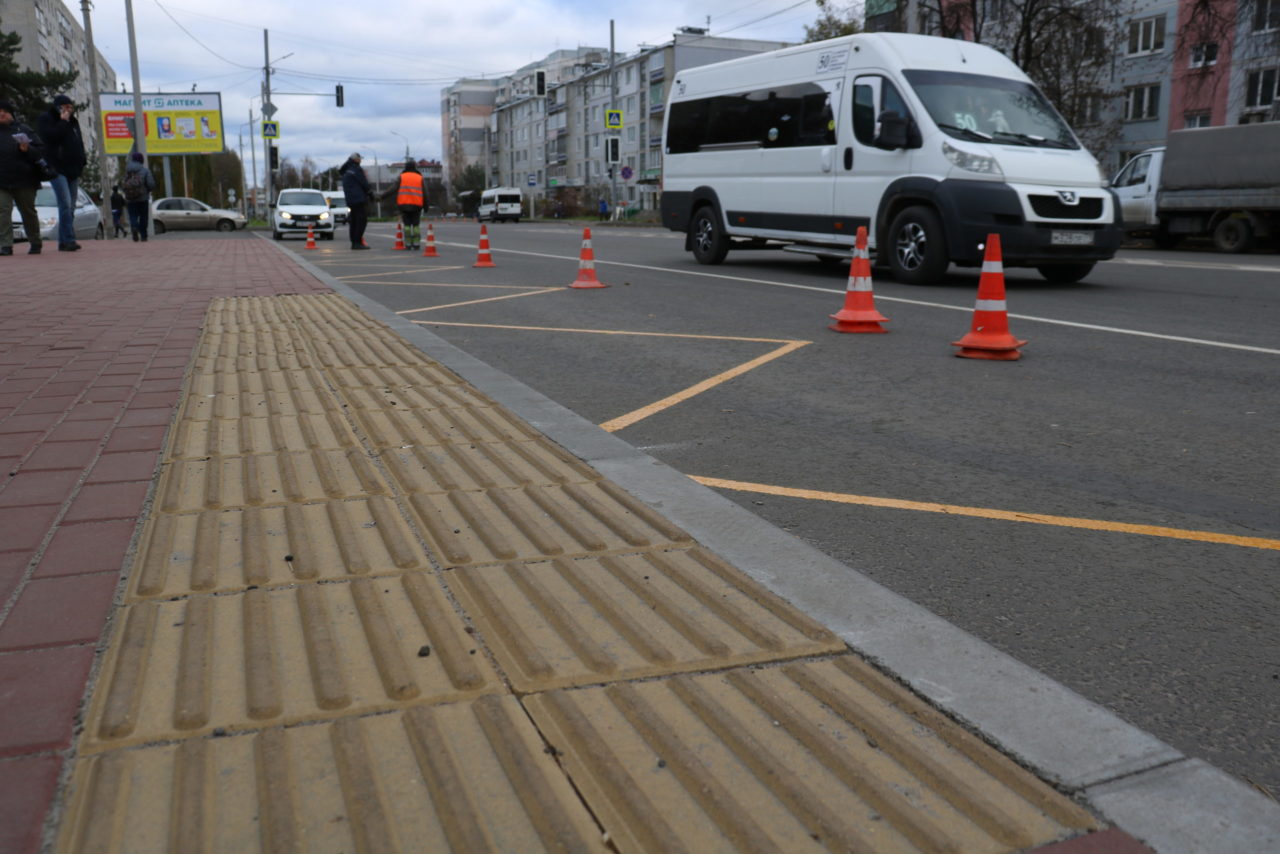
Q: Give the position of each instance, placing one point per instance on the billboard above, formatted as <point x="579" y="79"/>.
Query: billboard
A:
<point x="176" y="123"/>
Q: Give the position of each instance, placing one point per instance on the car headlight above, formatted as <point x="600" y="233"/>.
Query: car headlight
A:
<point x="286" y="215"/>
<point x="324" y="215"/>
<point x="48" y="221"/>
<point x="971" y="162"/>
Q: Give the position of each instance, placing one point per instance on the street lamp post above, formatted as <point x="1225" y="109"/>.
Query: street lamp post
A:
<point x="406" y="145"/>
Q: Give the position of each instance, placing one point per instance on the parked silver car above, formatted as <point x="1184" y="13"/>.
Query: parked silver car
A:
<point x="178" y="213"/>
<point x="88" y="217"/>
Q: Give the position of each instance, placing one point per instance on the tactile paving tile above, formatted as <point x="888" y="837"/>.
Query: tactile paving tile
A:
<point x="186" y="667"/>
<point x="395" y="377"/>
<point x="467" y="777"/>
<point x="392" y="428"/>
<point x="236" y="437"/>
<point x="802" y="757"/>
<point x="575" y="622"/>
<point x="472" y="466"/>
<point x="256" y="394"/>
<point x="228" y="550"/>
<point x="539" y="521"/>
<point x="257" y="479"/>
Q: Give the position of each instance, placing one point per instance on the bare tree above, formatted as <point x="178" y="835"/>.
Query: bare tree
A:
<point x="1065" y="46"/>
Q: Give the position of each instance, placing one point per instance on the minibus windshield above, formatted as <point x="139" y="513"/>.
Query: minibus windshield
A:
<point x="990" y="109"/>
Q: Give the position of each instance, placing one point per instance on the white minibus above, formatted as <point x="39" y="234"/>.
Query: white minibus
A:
<point x="930" y="143"/>
<point x="498" y="204"/>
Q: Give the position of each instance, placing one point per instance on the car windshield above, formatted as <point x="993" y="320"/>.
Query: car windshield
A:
<point x="337" y="201"/>
<point x="45" y="198"/>
<point x="977" y="107"/>
<point x="303" y="197"/>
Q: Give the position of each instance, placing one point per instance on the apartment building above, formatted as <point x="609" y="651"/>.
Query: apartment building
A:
<point x="53" y="39"/>
<point x="552" y="141"/>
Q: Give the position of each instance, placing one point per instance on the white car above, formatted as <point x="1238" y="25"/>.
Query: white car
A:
<point x="297" y="209"/>
<point x="338" y="204"/>
<point x="88" y="218"/>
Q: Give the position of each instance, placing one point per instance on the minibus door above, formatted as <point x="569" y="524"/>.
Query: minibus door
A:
<point x="868" y="164"/>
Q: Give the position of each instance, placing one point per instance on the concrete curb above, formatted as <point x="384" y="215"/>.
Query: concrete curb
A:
<point x="1175" y="804"/>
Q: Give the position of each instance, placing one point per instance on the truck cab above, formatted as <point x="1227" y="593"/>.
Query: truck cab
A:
<point x="1135" y="186"/>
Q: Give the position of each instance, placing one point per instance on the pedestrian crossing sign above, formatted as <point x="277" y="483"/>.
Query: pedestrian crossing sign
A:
<point x="613" y="119"/>
<point x="270" y="130"/>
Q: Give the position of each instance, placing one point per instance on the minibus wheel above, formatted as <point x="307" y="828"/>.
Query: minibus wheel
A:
<point x="919" y="251"/>
<point x="1065" y="274"/>
<point x="708" y="239"/>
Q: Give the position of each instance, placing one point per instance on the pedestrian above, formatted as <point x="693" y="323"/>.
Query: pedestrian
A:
<point x="604" y="209"/>
<point x="64" y="148"/>
<point x="117" y="212"/>
<point x="411" y="198"/>
<point x="136" y="188"/>
<point x="21" y="153"/>
<point x="358" y="193"/>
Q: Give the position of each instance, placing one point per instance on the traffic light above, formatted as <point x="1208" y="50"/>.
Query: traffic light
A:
<point x="540" y="83"/>
<point x="613" y="149"/>
<point x="275" y="157"/>
<point x="337" y="94"/>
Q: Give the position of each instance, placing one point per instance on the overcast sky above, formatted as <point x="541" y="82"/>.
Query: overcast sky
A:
<point x="392" y="56"/>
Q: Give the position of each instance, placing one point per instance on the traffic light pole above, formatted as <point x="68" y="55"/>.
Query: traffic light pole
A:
<point x="266" y="99"/>
<point x="613" y="105"/>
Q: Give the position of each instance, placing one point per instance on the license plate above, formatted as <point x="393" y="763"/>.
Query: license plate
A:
<point x="1071" y="238"/>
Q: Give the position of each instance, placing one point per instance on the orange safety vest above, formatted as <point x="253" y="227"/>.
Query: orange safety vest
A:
<point x="410" y="192"/>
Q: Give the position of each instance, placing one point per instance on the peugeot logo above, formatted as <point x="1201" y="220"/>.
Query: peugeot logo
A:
<point x="1068" y="197"/>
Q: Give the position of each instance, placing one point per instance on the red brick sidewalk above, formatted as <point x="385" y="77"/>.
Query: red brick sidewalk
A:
<point x="93" y="348"/>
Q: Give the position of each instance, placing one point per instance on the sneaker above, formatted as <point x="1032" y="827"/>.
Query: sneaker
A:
<point x="135" y="237"/>
<point x="35" y="249"/>
<point x="68" y="247"/>
<point x="353" y="248"/>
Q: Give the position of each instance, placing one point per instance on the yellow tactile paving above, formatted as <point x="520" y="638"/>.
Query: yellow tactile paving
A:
<point x="470" y="777"/>
<point x="347" y="538"/>
<point x="227" y="550"/>
<point x="472" y="466"/>
<point x="537" y="522"/>
<point x="574" y="622"/>
<point x="263" y="657"/>
<point x="257" y="479"/>
<point x="803" y="757"/>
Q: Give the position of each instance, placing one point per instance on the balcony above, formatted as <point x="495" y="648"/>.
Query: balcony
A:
<point x="657" y="74"/>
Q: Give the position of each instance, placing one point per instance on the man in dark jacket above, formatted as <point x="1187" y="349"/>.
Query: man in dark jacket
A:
<point x="20" y="150"/>
<point x="355" y="186"/>
<point x="64" y="148"/>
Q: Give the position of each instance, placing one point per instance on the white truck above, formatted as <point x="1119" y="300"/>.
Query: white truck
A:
<point x="931" y="143"/>
<point x="1222" y="182"/>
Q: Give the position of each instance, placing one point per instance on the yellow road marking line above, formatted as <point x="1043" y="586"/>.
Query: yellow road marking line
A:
<point x="643" y="412"/>
<point x="622" y="332"/>
<point x="477" y="301"/>
<point x="988" y="513"/>
<point x="396" y="272"/>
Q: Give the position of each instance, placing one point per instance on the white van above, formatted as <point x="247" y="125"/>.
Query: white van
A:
<point x="931" y="143"/>
<point x="499" y="204"/>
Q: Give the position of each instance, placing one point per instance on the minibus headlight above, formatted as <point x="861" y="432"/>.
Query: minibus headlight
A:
<point x="971" y="162"/>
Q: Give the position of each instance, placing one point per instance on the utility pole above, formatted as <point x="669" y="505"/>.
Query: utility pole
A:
<point x="613" y="105"/>
<point x="139" y="126"/>
<point x="266" y="102"/>
<point x="91" y="56"/>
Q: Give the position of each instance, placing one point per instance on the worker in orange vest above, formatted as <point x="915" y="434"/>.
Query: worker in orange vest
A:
<point x="411" y="198"/>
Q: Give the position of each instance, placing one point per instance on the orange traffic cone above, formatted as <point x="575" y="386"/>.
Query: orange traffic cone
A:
<point x="399" y="237"/>
<point x="429" y="251"/>
<point x="484" y="259"/>
<point x="989" y="336"/>
<point x="311" y="238"/>
<point x="859" y="313"/>
<point x="587" y="265"/>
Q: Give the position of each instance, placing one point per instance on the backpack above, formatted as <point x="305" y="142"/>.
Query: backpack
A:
<point x="134" y="186"/>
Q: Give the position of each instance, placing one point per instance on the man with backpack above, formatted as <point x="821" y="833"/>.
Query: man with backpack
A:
<point x="136" y="187"/>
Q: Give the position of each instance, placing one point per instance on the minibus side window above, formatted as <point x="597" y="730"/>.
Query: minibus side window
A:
<point x="873" y="95"/>
<point x="788" y="116"/>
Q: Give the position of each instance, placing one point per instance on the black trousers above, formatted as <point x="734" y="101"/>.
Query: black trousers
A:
<point x="357" y="220"/>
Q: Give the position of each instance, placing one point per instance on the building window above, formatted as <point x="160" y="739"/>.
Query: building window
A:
<point x="1147" y="35"/>
<point x="1204" y="54"/>
<point x="1142" y="102"/>
<point x="1260" y="90"/>
<point x="1266" y="15"/>
<point x="1195" y="120"/>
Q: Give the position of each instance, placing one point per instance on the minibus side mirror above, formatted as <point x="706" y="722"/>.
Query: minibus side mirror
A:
<point x="893" y="131"/>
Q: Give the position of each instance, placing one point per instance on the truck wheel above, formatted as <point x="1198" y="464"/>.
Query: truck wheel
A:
<point x="710" y="244"/>
<point x="1233" y="235"/>
<point x="919" y="251"/>
<point x="1065" y="274"/>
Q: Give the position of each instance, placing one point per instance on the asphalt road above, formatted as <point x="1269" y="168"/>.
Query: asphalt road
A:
<point x="1131" y="457"/>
